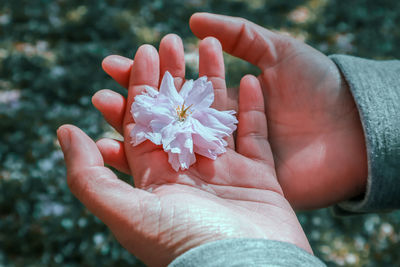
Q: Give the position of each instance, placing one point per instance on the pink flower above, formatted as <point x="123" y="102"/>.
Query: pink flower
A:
<point x="183" y="123"/>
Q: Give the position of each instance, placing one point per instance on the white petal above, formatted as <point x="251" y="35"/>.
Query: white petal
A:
<point x="138" y="134"/>
<point x="154" y="137"/>
<point x="205" y="142"/>
<point x="211" y="154"/>
<point x="202" y="132"/>
<point x="168" y="135"/>
<point x="202" y="94"/>
<point x="150" y="91"/>
<point x="173" y="159"/>
<point x="221" y="123"/>
<point x="216" y="146"/>
<point x="182" y="160"/>
<point x="186" y="88"/>
<point x="145" y="109"/>
<point x="168" y="90"/>
<point x="175" y="138"/>
<point x="189" y="144"/>
<point x="205" y="132"/>
<point x="186" y="159"/>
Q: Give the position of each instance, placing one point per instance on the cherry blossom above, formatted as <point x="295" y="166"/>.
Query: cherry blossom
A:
<point x="183" y="123"/>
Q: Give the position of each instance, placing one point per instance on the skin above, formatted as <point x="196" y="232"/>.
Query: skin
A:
<point x="168" y="212"/>
<point x="314" y="126"/>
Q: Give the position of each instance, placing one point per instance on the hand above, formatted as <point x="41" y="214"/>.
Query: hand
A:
<point x="314" y="127"/>
<point x="235" y="196"/>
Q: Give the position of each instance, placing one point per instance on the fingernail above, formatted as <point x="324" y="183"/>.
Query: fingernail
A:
<point x="64" y="137"/>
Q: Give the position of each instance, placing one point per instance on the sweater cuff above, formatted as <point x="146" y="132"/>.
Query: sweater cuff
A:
<point x="375" y="86"/>
<point x="246" y="252"/>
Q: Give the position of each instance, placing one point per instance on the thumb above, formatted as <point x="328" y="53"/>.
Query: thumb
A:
<point x="113" y="201"/>
<point x="239" y="37"/>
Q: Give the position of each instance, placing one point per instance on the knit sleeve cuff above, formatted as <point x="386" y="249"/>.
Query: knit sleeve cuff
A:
<point x="246" y="252"/>
<point x="375" y="86"/>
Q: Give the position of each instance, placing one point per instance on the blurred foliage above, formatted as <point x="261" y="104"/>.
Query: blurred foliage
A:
<point x="50" y="58"/>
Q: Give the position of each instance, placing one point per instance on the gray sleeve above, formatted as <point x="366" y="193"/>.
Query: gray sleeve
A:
<point x="246" y="252"/>
<point x="375" y="86"/>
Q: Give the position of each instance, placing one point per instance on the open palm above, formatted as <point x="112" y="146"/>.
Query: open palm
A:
<point x="235" y="196"/>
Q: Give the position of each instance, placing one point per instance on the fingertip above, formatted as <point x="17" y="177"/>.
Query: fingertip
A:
<point x="172" y="38"/>
<point x="118" y="68"/>
<point x="64" y="137"/>
<point x="116" y="60"/>
<point x="251" y="100"/>
<point x="146" y="50"/>
<point x="113" y="153"/>
<point x="109" y="144"/>
<point x="196" y="15"/>
<point x="97" y="99"/>
<point x="146" y="67"/>
<point x="211" y="59"/>
<point x="251" y="80"/>
<point x="68" y="129"/>
<point x="195" y="23"/>
<point x="78" y="148"/>
<point x="172" y="58"/>
<point x="112" y="106"/>
<point x="211" y="43"/>
<point x="104" y="97"/>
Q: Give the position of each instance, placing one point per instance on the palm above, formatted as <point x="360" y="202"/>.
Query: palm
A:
<point x="149" y="164"/>
<point x="211" y="212"/>
<point x="171" y="217"/>
<point x="311" y="117"/>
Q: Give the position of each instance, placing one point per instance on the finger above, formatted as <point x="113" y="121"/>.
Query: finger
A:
<point x="233" y="99"/>
<point x="112" y="106"/>
<point x="239" y="37"/>
<point x="145" y="71"/>
<point x="252" y="133"/>
<point x="172" y="58"/>
<point x="211" y="64"/>
<point x="85" y="166"/>
<point x="113" y="153"/>
<point x="119" y="68"/>
<point x="113" y="201"/>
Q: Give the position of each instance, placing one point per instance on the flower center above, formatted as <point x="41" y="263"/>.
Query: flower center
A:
<point x="182" y="112"/>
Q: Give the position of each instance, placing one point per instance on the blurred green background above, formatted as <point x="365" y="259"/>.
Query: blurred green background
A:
<point x="50" y="57"/>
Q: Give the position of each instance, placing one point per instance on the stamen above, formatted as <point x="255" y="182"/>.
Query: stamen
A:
<point x="182" y="111"/>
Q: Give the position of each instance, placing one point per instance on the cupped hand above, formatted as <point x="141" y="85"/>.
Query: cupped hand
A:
<point x="168" y="213"/>
<point x="314" y="126"/>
